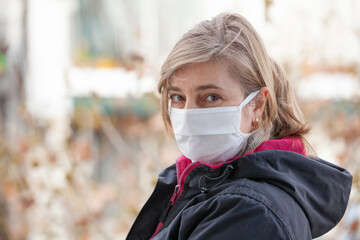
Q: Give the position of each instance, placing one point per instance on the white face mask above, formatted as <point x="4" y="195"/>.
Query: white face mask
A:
<point x="210" y="135"/>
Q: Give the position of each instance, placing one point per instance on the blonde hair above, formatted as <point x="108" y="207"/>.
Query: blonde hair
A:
<point x="231" y="39"/>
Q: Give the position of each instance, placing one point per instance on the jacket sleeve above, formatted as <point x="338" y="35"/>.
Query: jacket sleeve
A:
<point x="230" y="216"/>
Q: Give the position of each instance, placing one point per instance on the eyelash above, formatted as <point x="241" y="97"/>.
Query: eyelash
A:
<point x="204" y="99"/>
<point x="217" y="97"/>
<point x="174" y="95"/>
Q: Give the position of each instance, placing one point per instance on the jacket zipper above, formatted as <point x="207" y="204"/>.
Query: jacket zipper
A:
<point x="178" y="190"/>
<point x="170" y="204"/>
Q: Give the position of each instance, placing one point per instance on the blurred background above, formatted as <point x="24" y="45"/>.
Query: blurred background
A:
<point x="81" y="136"/>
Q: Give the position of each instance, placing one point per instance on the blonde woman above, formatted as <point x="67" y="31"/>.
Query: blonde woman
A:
<point x="245" y="172"/>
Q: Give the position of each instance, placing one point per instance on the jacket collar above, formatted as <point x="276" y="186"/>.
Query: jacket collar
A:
<point x="291" y="143"/>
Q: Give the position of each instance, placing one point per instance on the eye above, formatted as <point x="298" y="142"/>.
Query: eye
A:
<point x="212" y="98"/>
<point x="176" y="98"/>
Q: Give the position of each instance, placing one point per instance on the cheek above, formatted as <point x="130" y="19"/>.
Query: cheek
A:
<point x="245" y="125"/>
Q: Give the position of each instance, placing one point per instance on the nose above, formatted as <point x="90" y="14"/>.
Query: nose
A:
<point x="190" y="103"/>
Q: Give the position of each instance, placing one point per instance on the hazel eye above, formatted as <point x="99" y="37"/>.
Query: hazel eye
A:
<point x="176" y="98"/>
<point x="212" y="98"/>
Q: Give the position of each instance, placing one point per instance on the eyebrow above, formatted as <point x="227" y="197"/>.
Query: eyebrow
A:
<point x="199" y="88"/>
<point x="208" y="86"/>
<point x="171" y="88"/>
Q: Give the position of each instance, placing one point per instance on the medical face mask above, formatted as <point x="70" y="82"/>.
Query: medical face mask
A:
<point x="210" y="135"/>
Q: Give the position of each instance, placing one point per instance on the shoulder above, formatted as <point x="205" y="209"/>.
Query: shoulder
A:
<point x="278" y="203"/>
<point x="253" y="210"/>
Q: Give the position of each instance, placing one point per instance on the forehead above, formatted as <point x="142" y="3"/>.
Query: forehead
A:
<point x="203" y="74"/>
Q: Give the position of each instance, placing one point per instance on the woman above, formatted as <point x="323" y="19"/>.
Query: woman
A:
<point x="245" y="172"/>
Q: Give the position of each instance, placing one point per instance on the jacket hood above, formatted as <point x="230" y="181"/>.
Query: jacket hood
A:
<point x="320" y="188"/>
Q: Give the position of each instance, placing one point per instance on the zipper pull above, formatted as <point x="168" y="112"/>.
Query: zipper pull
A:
<point x="170" y="204"/>
<point x="175" y="195"/>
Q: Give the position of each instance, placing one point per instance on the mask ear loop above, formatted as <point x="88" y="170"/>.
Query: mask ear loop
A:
<point x="244" y="103"/>
<point x="249" y="98"/>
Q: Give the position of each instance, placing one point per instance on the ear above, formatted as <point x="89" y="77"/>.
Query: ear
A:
<point x="259" y="108"/>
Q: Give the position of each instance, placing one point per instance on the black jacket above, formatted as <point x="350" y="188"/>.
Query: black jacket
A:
<point x="265" y="195"/>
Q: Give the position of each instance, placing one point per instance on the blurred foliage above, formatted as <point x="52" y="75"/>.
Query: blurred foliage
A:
<point x="3" y="63"/>
<point x="93" y="185"/>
